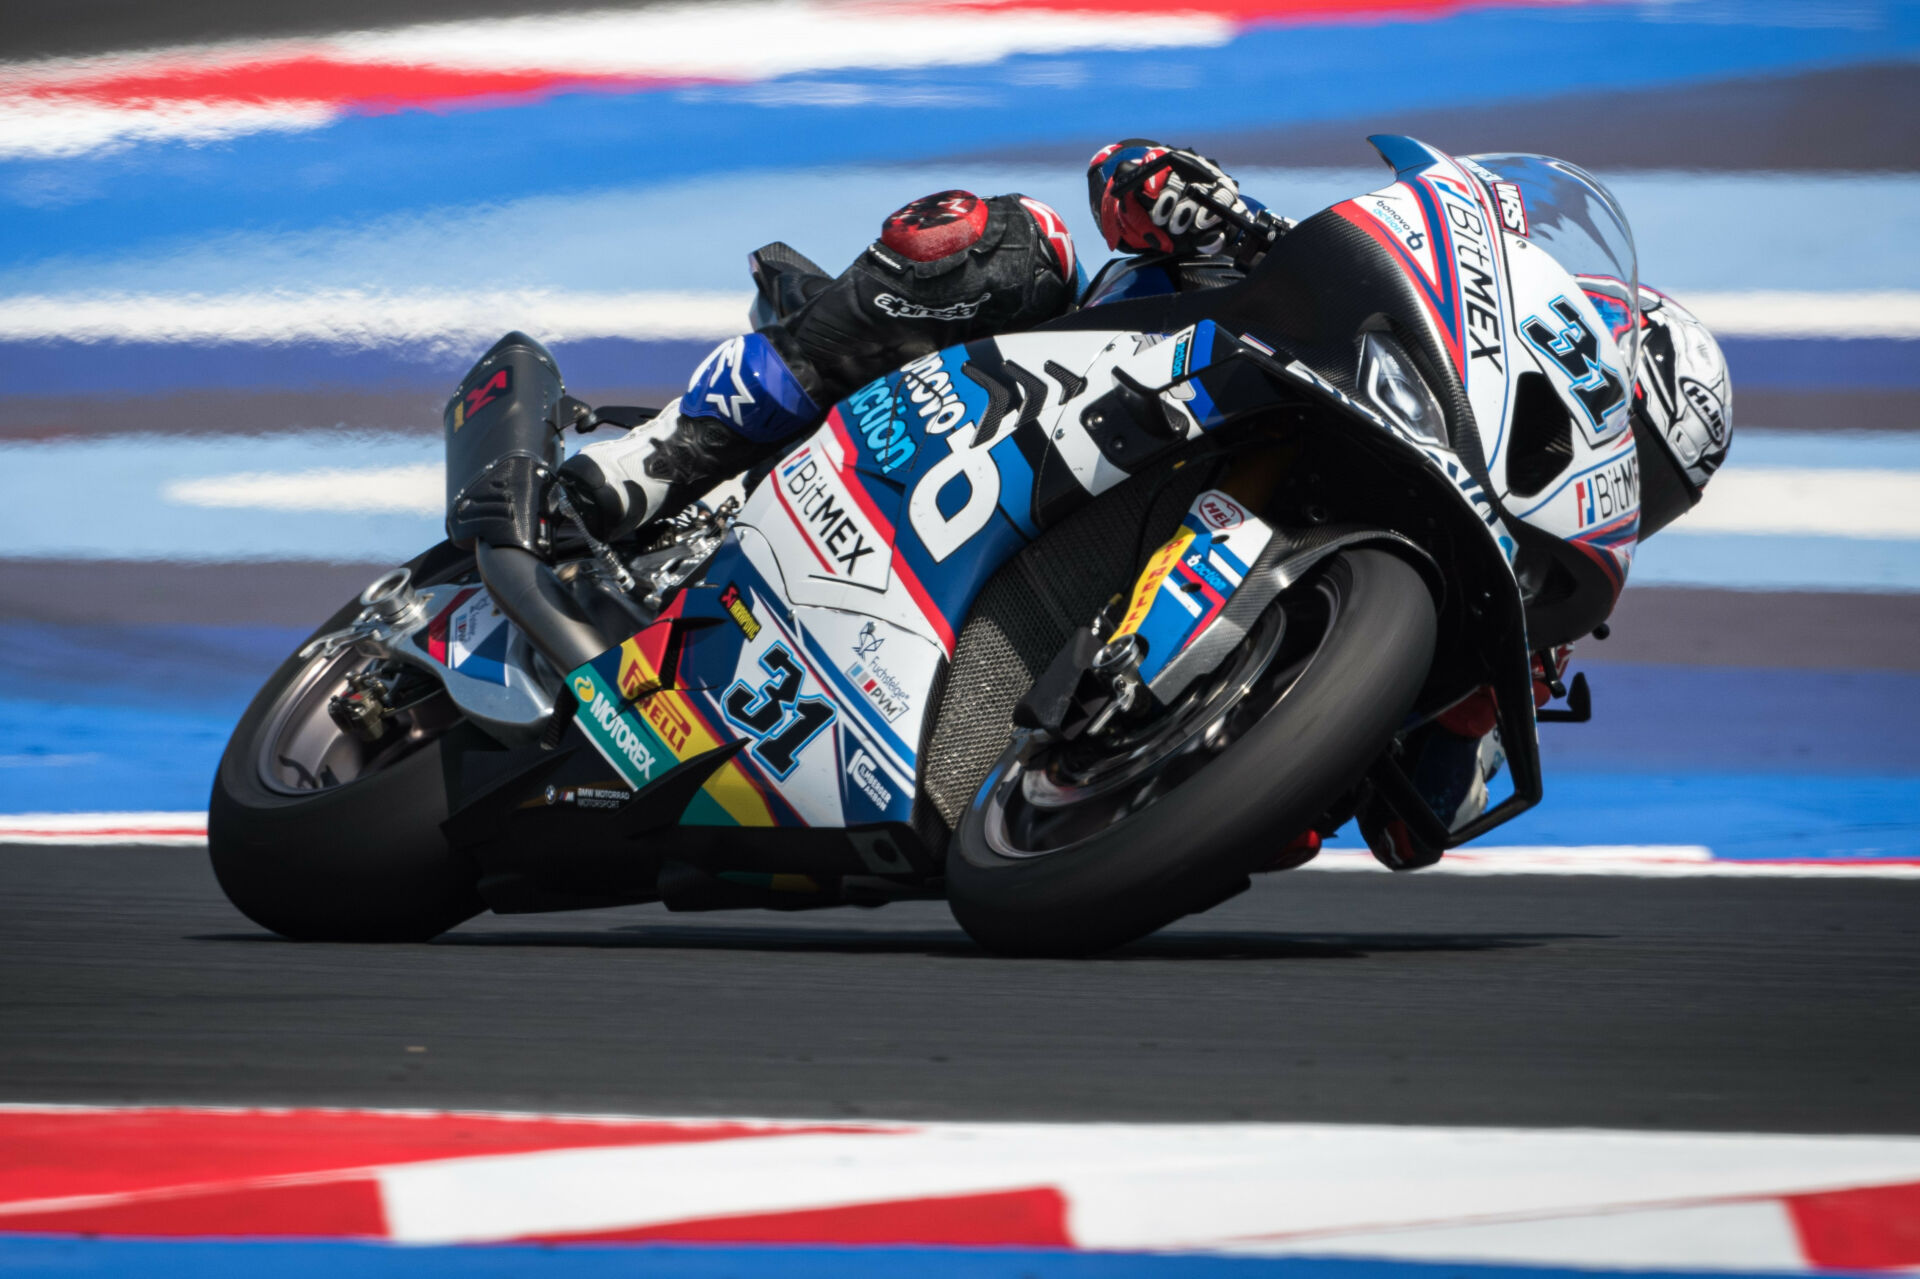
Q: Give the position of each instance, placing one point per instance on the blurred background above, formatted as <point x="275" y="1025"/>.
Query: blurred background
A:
<point x="247" y="250"/>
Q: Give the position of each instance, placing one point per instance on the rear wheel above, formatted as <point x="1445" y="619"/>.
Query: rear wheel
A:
<point x="322" y="835"/>
<point x="1076" y="847"/>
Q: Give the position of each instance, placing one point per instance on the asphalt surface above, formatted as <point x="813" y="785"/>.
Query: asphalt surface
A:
<point x="1777" y="1005"/>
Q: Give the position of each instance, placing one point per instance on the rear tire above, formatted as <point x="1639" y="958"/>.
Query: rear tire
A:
<point x="1194" y="845"/>
<point x="364" y="861"/>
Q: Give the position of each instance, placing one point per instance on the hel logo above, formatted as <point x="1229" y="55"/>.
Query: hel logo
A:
<point x="481" y="396"/>
<point x="866" y="775"/>
<point x="583" y="689"/>
<point x="1513" y="207"/>
<point x="1218" y="511"/>
<point x="738" y="609"/>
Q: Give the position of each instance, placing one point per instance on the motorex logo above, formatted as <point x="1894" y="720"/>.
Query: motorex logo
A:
<point x="618" y="733"/>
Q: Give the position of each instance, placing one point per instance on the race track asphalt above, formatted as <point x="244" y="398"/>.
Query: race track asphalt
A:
<point x="1742" y="1004"/>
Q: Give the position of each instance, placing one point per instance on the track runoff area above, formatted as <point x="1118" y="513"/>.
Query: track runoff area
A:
<point x="1668" y="1026"/>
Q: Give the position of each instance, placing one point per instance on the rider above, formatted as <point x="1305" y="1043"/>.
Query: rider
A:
<point x="947" y="268"/>
<point x="951" y="267"/>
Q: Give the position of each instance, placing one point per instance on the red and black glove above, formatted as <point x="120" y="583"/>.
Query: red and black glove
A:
<point x="1151" y="198"/>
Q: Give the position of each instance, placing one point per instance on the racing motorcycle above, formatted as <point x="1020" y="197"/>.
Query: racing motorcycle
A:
<point x="1077" y="628"/>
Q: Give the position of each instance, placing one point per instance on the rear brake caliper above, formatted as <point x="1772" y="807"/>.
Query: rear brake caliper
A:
<point x="364" y="709"/>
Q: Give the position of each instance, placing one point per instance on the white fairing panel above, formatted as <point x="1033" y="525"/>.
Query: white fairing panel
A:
<point x="1502" y="308"/>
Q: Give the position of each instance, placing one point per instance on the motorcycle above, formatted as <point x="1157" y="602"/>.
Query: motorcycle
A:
<point x="1077" y="628"/>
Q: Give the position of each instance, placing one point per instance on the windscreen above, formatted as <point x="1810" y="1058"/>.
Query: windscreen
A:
<point x="1571" y="215"/>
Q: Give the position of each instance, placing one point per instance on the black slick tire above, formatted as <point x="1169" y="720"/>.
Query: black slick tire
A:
<point x="1195" y="846"/>
<point x="361" y="862"/>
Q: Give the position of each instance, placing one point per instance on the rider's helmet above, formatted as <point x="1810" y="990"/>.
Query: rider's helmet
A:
<point x="1684" y="402"/>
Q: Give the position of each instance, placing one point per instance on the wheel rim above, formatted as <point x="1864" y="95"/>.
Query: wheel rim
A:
<point x="304" y="751"/>
<point x="1046" y="798"/>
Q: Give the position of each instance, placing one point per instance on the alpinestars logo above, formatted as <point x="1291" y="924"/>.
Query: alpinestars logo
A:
<point x="725" y="361"/>
<point x="1054" y="228"/>
<point x="901" y="309"/>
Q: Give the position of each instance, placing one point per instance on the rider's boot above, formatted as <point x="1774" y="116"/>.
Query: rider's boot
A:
<point x="1449" y="762"/>
<point x="741" y="404"/>
<point x="653" y="470"/>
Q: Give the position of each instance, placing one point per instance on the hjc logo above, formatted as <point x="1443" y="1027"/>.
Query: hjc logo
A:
<point x="1707" y="405"/>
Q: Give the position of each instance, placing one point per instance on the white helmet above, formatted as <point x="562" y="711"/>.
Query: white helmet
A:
<point x="1685" y="401"/>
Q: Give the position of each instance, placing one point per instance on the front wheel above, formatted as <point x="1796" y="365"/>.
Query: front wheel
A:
<point x="1076" y="847"/>
<point x="319" y="835"/>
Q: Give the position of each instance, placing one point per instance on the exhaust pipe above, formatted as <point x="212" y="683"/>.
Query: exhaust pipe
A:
<point x="533" y="599"/>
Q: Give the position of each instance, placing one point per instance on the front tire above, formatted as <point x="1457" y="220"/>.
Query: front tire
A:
<point x="1193" y="845"/>
<point x="359" y="861"/>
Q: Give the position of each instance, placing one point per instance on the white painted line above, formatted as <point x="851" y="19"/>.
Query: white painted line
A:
<point x="48" y="130"/>
<point x="178" y="829"/>
<point x="1753" y="1233"/>
<point x="1890" y="313"/>
<point x="1562" y="1197"/>
<point x="741" y="40"/>
<point x="362" y="318"/>
<point x="1507" y="1194"/>
<point x="1806" y="501"/>
<point x="69" y="106"/>
<point x="412" y="490"/>
<point x="1646" y="861"/>
<point x="354" y="318"/>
